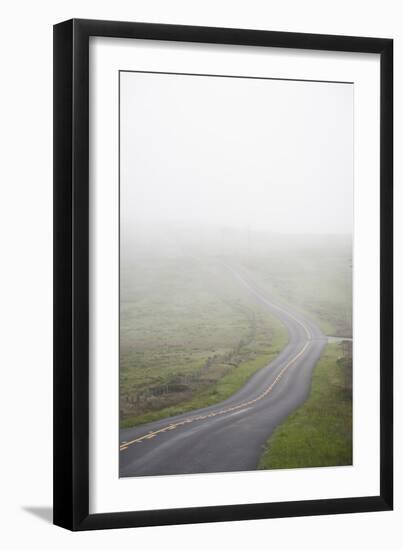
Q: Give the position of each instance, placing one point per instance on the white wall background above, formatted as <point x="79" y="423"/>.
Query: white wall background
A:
<point x="26" y="279"/>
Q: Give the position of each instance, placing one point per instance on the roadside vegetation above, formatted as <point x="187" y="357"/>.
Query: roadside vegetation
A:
<point x="190" y="337"/>
<point x="319" y="433"/>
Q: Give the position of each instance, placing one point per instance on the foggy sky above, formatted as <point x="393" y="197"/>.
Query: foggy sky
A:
<point x="233" y="152"/>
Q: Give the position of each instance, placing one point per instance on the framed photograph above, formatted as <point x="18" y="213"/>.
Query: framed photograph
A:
<point x="223" y="204"/>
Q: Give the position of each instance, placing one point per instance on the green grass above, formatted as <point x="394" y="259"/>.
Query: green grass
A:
<point x="222" y="388"/>
<point x="319" y="433"/>
<point x="190" y="337"/>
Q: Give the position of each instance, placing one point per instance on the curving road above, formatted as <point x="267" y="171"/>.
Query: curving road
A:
<point x="230" y="435"/>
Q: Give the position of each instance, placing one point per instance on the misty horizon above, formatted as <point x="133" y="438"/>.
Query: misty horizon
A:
<point x="216" y="154"/>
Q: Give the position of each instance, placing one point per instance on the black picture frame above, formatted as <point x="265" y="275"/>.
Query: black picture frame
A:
<point x="71" y="273"/>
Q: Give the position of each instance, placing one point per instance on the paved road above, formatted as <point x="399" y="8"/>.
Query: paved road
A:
<point x="230" y="435"/>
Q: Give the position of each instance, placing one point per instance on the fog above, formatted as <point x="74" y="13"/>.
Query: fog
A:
<point x="222" y="181"/>
<point x="220" y="160"/>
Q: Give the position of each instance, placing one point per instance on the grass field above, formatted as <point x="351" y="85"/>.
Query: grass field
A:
<point x="319" y="433"/>
<point x="190" y="337"/>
